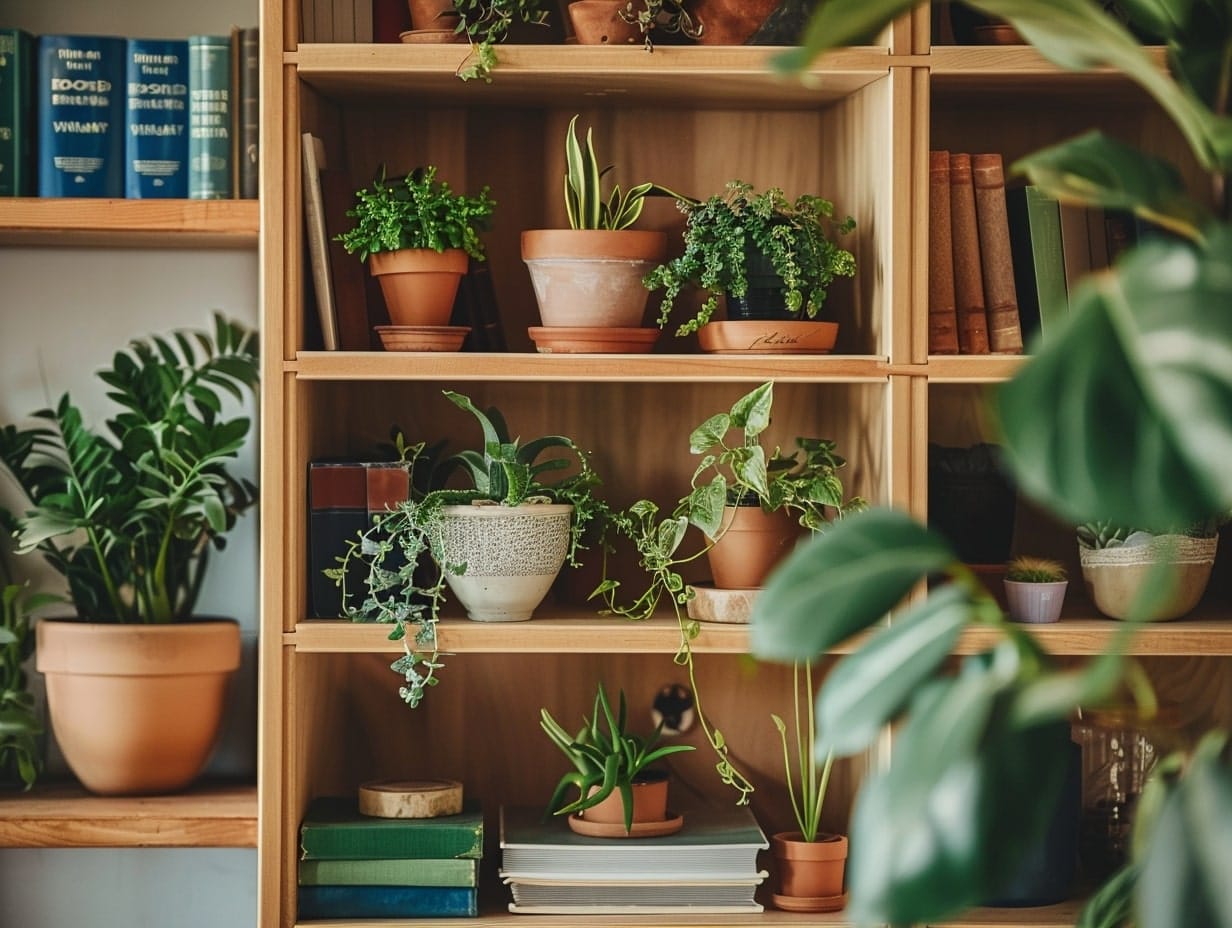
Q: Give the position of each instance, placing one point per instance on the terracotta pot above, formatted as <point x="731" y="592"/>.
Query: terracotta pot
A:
<point x="598" y="22"/>
<point x="649" y="803"/>
<point x="1035" y="603"/>
<point x="419" y="284"/>
<point x="136" y="709"/>
<point x="750" y="546"/>
<point x="512" y="555"/>
<point x="592" y="339"/>
<point x="591" y="277"/>
<point x="432" y="14"/>
<point x="810" y="869"/>
<point x="730" y="22"/>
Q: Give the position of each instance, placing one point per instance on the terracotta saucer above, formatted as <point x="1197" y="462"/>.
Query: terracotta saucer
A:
<point x="431" y="36"/>
<point x="562" y="339"/>
<point x="809" y="903"/>
<point x="422" y="337"/>
<point x="669" y="826"/>
<point x="768" y="337"/>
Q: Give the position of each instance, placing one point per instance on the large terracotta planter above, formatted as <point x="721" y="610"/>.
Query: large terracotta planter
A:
<point x="419" y="284"/>
<point x="598" y="22"/>
<point x="591" y="277"/>
<point x="136" y="709"/>
<point x="810" y="872"/>
<point x="512" y="554"/>
<point x="751" y="544"/>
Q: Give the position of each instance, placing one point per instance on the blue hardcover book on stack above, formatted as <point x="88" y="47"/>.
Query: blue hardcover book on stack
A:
<point x="156" y="119"/>
<point x="80" y="100"/>
<point x="388" y="902"/>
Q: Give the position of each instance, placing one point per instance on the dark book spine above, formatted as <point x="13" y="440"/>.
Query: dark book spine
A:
<point x="249" y="112"/>
<point x="1025" y="288"/>
<point x="209" y="117"/>
<point x="387" y="902"/>
<point x="942" y="316"/>
<point x="156" y="119"/>
<point x="346" y="271"/>
<point x="968" y="279"/>
<point x="80" y="100"/>
<point x="996" y="261"/>
<point x="337" y="513"/>
<point x="17" y="71"/>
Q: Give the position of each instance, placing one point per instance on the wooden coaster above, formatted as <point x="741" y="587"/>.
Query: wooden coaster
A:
<point x="410" y="798"/>
<point x="729" y="606"/>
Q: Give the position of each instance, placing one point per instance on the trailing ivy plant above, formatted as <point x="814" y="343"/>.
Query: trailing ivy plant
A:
<point x="1123" y="417"/>
<point x="720" y="233"/>
<point x="486" y="23"/>
<point x="671" y="17"/>
<point x="403" y="572"/>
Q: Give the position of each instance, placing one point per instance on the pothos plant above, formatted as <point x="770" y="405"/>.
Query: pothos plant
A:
<point x="400" y="563"/>
<point x="1120" y="417"/>
<point x="486" y="23"/>
<point x="721" y="234"/>
<point x="805" y="483"/>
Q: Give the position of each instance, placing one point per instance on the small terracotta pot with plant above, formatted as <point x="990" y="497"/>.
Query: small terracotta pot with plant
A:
<point x="1035" y="589"/>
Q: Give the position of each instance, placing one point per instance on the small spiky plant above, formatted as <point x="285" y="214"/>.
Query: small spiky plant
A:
<point x="1034" y="570"/>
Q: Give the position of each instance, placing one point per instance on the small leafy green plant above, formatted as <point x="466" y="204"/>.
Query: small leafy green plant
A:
<point x="504" y="472"/>
<point x="606" y="757"/>
<point x="1027" y="569"/>
<point x="584" y="200"/>
<point x="667" y="16"/>
<point x="721" y="232"/>
<point x="130" y="516"/>
<point x="416" y="211"/>
<point x="806" y="785"/>
<point x="20" y="728"/>
<point x="486" y="23"/>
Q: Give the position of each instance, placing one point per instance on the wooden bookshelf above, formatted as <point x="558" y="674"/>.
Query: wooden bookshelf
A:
<point x="60" y="816"/>
<point x="129" y="223"/>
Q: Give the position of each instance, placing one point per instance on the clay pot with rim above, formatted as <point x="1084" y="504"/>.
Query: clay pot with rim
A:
<point x="649" y="802"/>
<point x="751" y="544"/>
<point x="592" y="277"/>
<point x="598" y="22"/>
<point x="136" y="709"/>
<point x="432" y="15"/>
<point x="419" y="284"/>
<point x="810" y="872"/>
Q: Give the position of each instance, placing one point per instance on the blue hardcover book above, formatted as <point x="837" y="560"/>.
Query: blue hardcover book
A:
<point x="156" y="119"/>
<point x="209" y="117"/>
<point x="80" y="99"/>
<point x="388" y="902"/>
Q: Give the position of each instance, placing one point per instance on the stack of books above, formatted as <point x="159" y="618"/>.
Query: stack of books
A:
<point x="358" y="866"/>
<point x="707" y="867"/>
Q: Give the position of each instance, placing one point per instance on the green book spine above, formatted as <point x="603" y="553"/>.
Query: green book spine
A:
<point x="209" y="117"/>
<point x="1044" y="216"/>
<point x="459" y="871"/>
<point x="334" y="829"/>
<point x="17" y="170"/>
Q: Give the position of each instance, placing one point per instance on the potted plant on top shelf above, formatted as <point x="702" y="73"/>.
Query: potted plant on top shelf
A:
<point x="589" y="276"/>
<point x="417" y="236"/>
<point x="497" y="545"/>
<point x="620" y="792"/>
<point x="769" y="257"/>
<point x="136" y="684"/>
<point x="811" y="862"/>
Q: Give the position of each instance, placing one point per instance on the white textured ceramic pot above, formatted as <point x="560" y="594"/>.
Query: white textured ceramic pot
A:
<point x="512" y="554"/>
<point x="1035" y="603"/>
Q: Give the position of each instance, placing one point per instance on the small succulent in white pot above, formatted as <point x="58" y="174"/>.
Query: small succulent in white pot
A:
<point x="1035" y="589"/>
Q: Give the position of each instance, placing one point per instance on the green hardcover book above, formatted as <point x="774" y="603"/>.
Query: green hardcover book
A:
<point x="457" y="871"/>
<point x="17" y="169"/>
<point x="210" y="96"/>
<point x="334" y="829"/>
<point x="1044" y="219"/>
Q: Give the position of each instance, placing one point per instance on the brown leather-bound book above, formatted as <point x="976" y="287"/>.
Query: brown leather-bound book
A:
<point x="968" y="278"/>
<point x="942" y="317"/>
<point x="996" y="264"/>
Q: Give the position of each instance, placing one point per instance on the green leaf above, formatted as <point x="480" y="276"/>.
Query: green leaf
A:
<point x="1111" y="906"/>
<point x="705" y="506"/>
<point x="709" y="433"/>
<point x="752" y="411"/>
<point x="842" y="581"/>
<point x="1097" y="170"/>
<point x="868" y="689"/>
<point x="1123" y="416"/>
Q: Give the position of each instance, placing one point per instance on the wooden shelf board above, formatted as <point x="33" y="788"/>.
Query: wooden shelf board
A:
<point x="1020" y="69"/>
<point x="1061" y="915"/>
<point x="568" y="75"/>
<point x="570" y="368"/>
<point x="1187" y="637"/>
<point x="988" y="368"/>
<point x="768" y="917"/>
<point x="129" y="223"/>
<point x="58" y="816"/>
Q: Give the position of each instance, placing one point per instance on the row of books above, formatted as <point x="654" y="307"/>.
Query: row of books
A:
<point x="106" y="116"/>
<point x="357" y="866"/>
<point x="348" y="300"/>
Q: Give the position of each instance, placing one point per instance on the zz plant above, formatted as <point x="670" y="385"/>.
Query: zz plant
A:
<point x="20" y="727"/>
<point x="403" y="572"/>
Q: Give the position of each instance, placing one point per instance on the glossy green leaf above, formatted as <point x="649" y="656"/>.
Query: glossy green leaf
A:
<point x="1123" y="416"/>
<point x="868" y="689"/>
<point x="752" y="411"/>
<point x="1112" y="905"/>
<point x="842" y="581"/>
<point x="1097" y="170"/>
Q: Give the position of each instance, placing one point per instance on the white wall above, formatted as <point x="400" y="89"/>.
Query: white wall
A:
<point x="63" y="313"/>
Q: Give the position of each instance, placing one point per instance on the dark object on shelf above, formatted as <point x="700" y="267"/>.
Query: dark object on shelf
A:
<point x="785" y="25"/>
<point x="971" y="501"/>
<point x="475" y="306"/>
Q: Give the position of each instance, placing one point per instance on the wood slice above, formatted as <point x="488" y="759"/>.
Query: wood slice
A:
<point x="410" y="798"/>
<point x="729" y="606"/>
